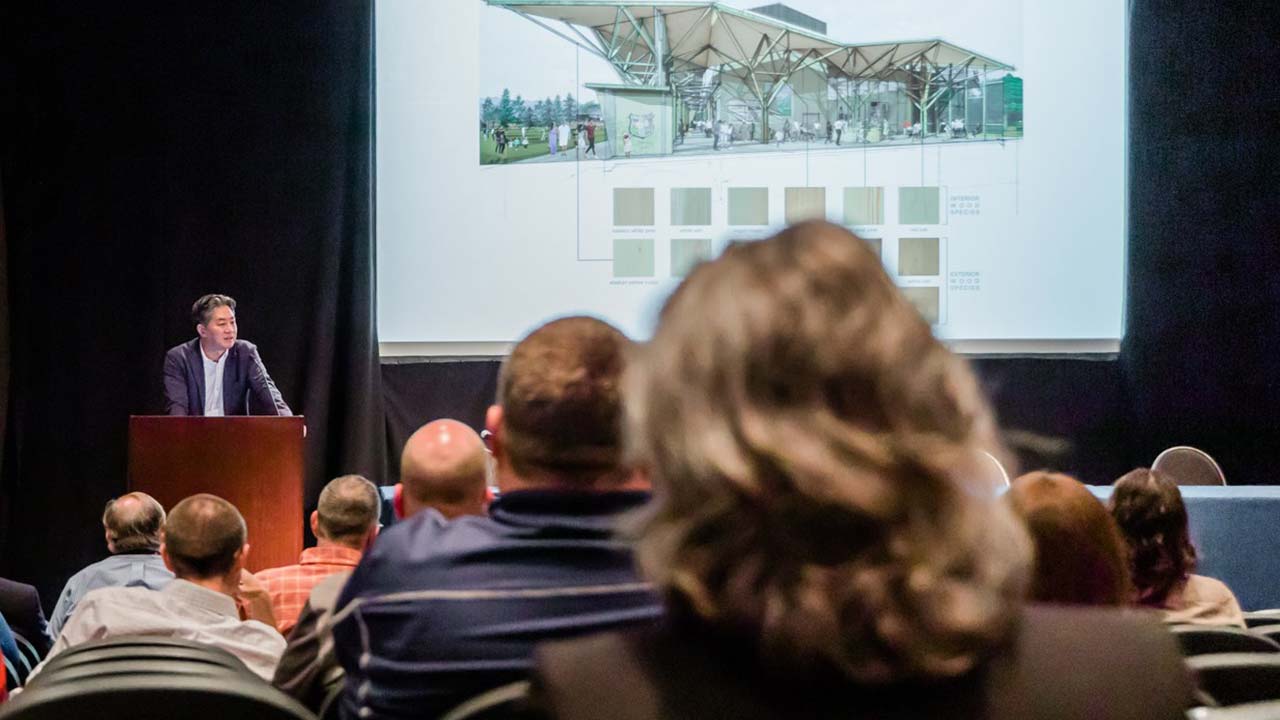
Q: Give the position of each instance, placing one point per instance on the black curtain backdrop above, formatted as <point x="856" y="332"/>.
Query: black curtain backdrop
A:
<point x="152" y="152"/>
<point x="1202" y="351"/>
<point x="417" y="392"/>
<point x="1047" y="420"/>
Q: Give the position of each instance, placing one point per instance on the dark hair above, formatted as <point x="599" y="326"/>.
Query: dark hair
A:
<point x="1147" y="505"/>
<point x="1081" y="558"/>
<point x="133" y="523"/>
<point x="815" y="454"/>
<point x="202" y="536"/>
<point x="204" y="307"/>
<point x="349" y="505"/>
<point x="561" y="397"/>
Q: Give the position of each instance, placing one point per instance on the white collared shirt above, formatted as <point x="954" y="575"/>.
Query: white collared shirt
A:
<point x="213" y="372"/>
<point x="182" y="610"/>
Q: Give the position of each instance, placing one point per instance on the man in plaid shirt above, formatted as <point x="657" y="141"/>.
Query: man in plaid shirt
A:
<point x="344" y="523"/>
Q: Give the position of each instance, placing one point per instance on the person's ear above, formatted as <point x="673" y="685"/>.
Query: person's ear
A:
<point x="164" y="555"/>
<point x="315" y="523"/>
<point x="493" y="419"/>
<point x="201" y="330"/>
<point x="242" y="556"/>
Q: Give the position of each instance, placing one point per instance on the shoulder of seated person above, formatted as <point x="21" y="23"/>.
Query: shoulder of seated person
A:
<point x="114" y="593"/>
<point x="413" y="533"/>
<point x="1206" y="581"/>
<point x="329" y="587"/>
<point x="1202" y="585"/>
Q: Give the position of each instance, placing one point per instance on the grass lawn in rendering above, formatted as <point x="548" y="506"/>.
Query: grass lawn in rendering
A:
<point x="537" y="145"/>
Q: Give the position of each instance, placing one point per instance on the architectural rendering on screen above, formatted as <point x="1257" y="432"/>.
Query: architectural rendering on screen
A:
<point x="633" y="80"/>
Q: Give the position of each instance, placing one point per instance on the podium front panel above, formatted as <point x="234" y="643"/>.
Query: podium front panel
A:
<point x="255" y="463"/>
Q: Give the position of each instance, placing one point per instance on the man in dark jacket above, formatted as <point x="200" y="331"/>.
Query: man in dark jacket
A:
<point x="217" y="373"/>
<point x="20" y="605"/>
<point x="440" y="610"/>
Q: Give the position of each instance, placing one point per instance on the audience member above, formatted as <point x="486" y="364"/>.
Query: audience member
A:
<point x="345" y="522"/>
<point x="204" y="544"/>
<point x="443" y="462"/>
<point x="1147" y="505"/>
<point x="819" y="534"/>
<point x="20" y="605"/>
<point x="444" y="466"/>
<point x="132" y="526"/>
<point x="439" y="610"/>
<point x="1080" y="558"/>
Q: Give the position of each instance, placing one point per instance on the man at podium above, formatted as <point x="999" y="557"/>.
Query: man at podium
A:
<point x="216" y="373"/>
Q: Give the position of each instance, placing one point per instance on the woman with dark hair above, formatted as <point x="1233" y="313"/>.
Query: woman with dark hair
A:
<point x="821" y="532"/>
<point x="1080" y="557"/>
<point x="1148" y="507"/>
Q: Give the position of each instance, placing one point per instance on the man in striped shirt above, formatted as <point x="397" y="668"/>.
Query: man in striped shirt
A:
<point x="344" y="523"/>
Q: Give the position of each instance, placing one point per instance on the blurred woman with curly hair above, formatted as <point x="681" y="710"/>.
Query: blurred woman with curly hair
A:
<point x="822" y="530"/>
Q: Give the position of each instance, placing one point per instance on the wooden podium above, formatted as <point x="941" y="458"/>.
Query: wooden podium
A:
<point x="253" y="462"/>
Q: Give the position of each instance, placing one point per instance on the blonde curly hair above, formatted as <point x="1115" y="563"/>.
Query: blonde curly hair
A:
<point x="814" y="453"/>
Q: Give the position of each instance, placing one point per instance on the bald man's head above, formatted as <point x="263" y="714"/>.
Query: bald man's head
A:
<point x="444" y="466"/>
<point x="204" y="538"/>
<point x="132" y="523"/>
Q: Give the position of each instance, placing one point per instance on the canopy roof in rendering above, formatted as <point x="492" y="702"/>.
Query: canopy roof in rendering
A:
<point x="692" y="37"/>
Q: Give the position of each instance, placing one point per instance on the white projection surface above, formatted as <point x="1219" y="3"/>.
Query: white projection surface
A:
<point x="533" y="161"/>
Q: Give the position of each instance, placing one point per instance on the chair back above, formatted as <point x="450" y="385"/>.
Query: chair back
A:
<point x="176" y="655"/>
<point x="155" y="697"/>
<point x="997" y="472"/>
<point x="130" y="668"/>
<point x="1238" y="678"/>
<point x="10" y="676"/>
<point x="1248" y="711"/>
<point x="146" y="646"/>
<point x="497" y="704"/>
<point x="1189" y="466"/>
<point x="28" y="650"/>
<point x="1261" y="618"/>
<point x="18" y="670"/>
<point x="1206" y="639"/>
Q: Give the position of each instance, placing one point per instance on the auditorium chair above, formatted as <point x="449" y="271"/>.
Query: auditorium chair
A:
<point x="1262" y="618"/>
<point x="998" y="473"/>
<point x="142" y="654"/>
<point x="331" y="707"/>
<point x="1205" y="639"/>
<point x="167" y="667"/>
<point x="1238" y="678"/>
<point x="10" y="677"/>
<point x="497" y="704"/>
<point x="1249" y="711"/>
<point x="155" y="697"/>
<point x="28" y="650"/>
<point x="1189" y="466"/>
<point x="17" y="671"/>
